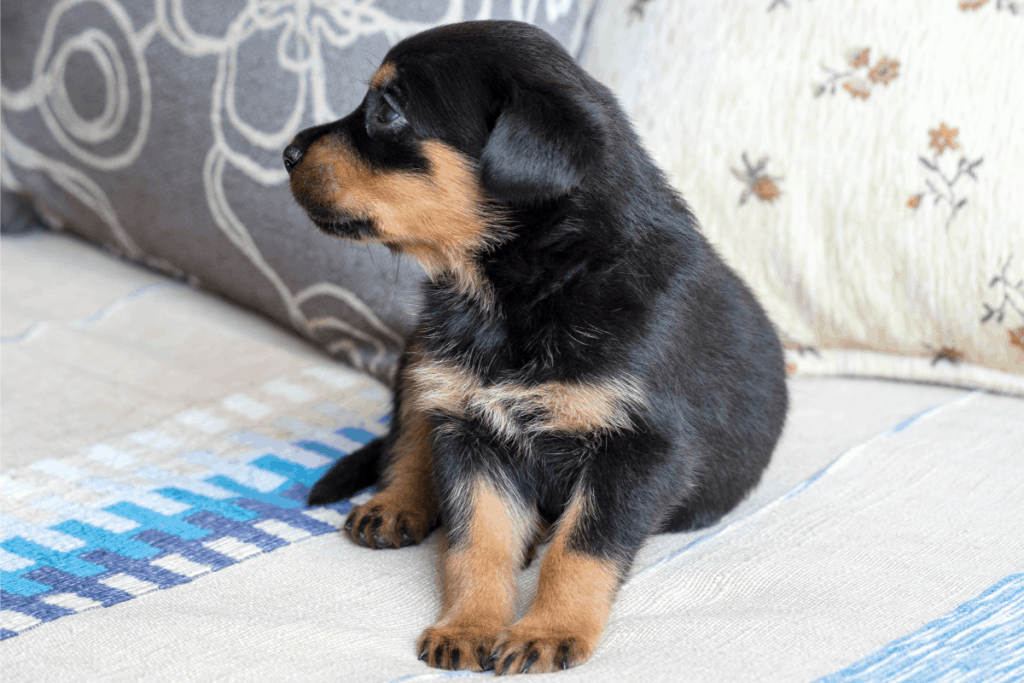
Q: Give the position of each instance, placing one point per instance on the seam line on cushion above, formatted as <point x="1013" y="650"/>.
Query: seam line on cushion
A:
<point x="437" y="676"/>
<point x="106" y="311"/>
<point x="844" y="458"/>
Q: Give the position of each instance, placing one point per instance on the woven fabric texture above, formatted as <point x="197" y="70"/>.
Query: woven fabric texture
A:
<point x="169" y="543"/>
<point x="151" y="433"/>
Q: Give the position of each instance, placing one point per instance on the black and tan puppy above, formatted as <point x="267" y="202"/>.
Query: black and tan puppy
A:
<point x="586" y="369"/>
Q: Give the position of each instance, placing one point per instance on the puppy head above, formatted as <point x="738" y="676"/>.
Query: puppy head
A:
<point x="461" y="125"/>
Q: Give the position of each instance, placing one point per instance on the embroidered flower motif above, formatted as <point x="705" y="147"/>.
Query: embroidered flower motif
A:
<point x="944" y="138"/>
<point x="859" y="58"/>
<point x="1017" y="337"/>
<point x="858" y="79"/>
<point x="857" y="88"/>
<point x="766" y="190"/>
<point x="758" y="183"/>
<point x="884" y="71"/>
<point x="947" y="353"/>
<point x="1012" y="6"/>
<point x="1012" y="301"/>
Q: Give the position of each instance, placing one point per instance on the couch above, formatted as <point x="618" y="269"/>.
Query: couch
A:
<point x="162" y="423"/>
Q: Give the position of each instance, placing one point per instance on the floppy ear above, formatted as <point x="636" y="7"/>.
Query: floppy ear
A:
<point x="542" y="146"/>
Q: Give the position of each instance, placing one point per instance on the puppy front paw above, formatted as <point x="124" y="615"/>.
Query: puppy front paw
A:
<point x="525" y="649"/>
<point x="388" y="522"/>
<point x="457" y="647"/>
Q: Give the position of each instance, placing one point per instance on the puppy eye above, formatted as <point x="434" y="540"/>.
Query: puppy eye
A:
<point x="387" y="113"/>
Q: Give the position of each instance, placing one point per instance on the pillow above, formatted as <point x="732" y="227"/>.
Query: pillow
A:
<point x="158" y="130"/>
<point x="858" y="161"/>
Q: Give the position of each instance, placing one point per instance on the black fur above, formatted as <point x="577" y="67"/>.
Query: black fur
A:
<point x="604" y="272"/>
<point x="358" y="473"/>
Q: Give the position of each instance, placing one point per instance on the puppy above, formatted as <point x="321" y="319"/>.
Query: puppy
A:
<point x="586" y="369"/>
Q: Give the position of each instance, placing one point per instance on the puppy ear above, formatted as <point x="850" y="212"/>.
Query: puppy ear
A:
<point x="542" y="146"/>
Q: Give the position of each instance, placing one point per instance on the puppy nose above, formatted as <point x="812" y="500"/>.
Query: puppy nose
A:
<point x="292" y="156"/>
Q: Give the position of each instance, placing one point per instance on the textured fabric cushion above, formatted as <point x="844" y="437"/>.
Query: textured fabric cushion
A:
<point x="141" y="425"/>
<point x="858" y="161"/>
<point x="169" y="543"/>
<point x="157" y="129"/>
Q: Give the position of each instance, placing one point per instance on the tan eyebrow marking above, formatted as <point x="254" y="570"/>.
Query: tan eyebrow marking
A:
<point x="384" y="75"/>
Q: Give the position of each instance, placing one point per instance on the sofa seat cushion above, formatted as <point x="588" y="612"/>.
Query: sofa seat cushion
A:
<point x="168" y="541"/>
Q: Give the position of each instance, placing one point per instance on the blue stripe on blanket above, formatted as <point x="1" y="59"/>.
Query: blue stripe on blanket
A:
<point x="981" y="640"/>
<point x="146" y="545"/>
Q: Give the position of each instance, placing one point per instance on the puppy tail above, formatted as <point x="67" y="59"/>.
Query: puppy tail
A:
<point x="350" y="475"/>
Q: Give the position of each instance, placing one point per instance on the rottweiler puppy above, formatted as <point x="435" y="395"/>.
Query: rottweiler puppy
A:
<point x="586" y="370"/>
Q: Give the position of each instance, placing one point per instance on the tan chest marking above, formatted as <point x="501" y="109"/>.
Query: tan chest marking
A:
<point x="512" y="408"/>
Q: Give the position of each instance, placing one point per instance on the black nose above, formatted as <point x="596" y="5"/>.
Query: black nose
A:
<point x="292" y="156"/>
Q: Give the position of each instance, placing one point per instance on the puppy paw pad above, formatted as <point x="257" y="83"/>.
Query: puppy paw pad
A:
<point x="387" y="524"/>
<point x="536" y="653"/>
<point x="456" y="648"/>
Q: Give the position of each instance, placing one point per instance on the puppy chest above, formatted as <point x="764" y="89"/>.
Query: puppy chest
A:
<point x="513" y="409"/>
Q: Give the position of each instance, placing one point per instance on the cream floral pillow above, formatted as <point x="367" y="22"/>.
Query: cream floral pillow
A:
<point x="859" y="161"/>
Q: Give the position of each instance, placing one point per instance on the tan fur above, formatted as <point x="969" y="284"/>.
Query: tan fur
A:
<point x="384" y="75"/>
<point x="574" y="598"/>
<point x="406" y="501"/>
<point x="479" y="580"/>
<point x="441" y="219"/>
<point x="442" y="386"/>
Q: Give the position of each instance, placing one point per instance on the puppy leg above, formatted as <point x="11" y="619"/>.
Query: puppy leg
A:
<point x="615" y="505"/>
<point x="486" y="545"/>
<point x="405" y="508"/>
<point x="575" y="591"/>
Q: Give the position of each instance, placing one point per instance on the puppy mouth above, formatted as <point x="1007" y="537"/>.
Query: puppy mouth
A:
<point x="340" y="225"/>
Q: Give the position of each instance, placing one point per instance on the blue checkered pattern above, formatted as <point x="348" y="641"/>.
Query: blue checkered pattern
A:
<point x="162" y="536"/>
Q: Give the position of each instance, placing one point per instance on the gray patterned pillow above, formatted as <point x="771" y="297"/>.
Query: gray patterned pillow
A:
<point x="157" y="129"/>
